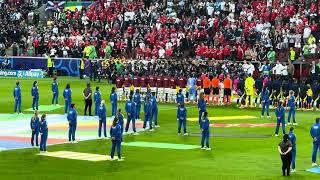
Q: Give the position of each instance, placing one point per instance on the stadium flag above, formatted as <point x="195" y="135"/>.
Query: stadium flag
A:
<point x="55" y="6"/>
<point x="73" y="6"/>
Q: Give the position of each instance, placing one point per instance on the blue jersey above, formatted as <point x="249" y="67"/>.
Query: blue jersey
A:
<point x="35" y="123"/>
<point x="35" y="91"/>
<point x="72" y="116"/>
<point x="280" y="112"/>
<point x="292" y="138"/>
<point x="265" y="96"/>
<point x="130" y="108"/>
<point x="67" y="94"/>
<point x="17" y="92"/>
<point x="113" y="98"/>
<point x="120" y="119"/>
<point x="102" y="112"/>
<point x="192" y="90"/>
<point x="202" y="105"/>
<point x="115" y="132"/>
<point x="205" y="124"/>
<point x="97" y="97"/>
<point x="292" y="102"/>
<point x="182" y="113"/>
<point x="154" y="103"/>
<point x="191" y="83"/>
<point x="54" y="87"/>
<point x="180" y="98"/>
<point x="148" y="94"/>
<point x="137" y="99"/>
<point x="315" y="132"/>
<point x="43" y="127"/>
<point x="147" y="108"/>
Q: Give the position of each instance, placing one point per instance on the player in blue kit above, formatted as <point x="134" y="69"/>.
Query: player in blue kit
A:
<point x="72" y="119"/>
<point x="147" y="113"/>
<point x="17" y="98"/>
<point x="205" y="132"/>
<point x="116" y="138"/>
<point x="131" y="115"/>
<point x="55" y="91"/>
<point x="315" y="134"/>
<point x="292" y="108"/>
<point x="35" y="96"/>
<point x="265" y="102"/>
<point x="280" y="115"/>
<point x="35" y="128"/>
<point x="137" y="101"/>
<point x="202" y="106"/>
<point x="182" y="119"/>
<point x="120" y="119"/>
<point x="293" y="139"/>
<point x="180" y="97"/>
<point x="114" y="101"/>
<point x="44" y="134"/>
<point x="97" y="100"/>
<point x="154" y="116"/>
<point x="67" y="95"/>
<point x="102" y="114"/>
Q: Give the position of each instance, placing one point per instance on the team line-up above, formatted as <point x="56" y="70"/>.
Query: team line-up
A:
<point x="148" y="99"/>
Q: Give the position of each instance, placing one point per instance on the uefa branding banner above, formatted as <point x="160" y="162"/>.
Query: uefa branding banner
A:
<point x="33" y="73"/>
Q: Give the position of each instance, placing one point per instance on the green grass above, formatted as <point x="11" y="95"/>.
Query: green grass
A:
<point x="231" y="158"/>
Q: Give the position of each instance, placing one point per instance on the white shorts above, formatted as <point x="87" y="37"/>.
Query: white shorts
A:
<point x="143" y="89"/>
<point x="173" y="91"/>
<point x="184" y="91"/>
<point x="200" y="91"/>
<point x="160" y="90"/>
<point x="153" y="89"/>
<point x="221" y="93"/>
<point x="167" y="90"/>
<point x="126" y="89"/>
<point x="120" y="90"/>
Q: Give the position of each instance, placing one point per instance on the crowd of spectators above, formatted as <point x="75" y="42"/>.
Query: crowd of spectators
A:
<point x="158" y="29"/>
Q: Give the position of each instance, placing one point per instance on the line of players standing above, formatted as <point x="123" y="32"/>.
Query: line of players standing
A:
<point x="132" y="108"/>
<point x="165" y="88"/>
<point x="307" y="94"/>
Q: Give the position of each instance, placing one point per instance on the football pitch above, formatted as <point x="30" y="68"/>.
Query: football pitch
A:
<point x="243" y="145"/>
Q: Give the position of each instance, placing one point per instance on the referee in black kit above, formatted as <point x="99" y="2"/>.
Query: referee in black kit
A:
<point x="87" y="94"/>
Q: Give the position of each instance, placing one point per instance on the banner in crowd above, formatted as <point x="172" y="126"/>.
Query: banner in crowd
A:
<point x="33" y="73"/>
<point x="64" y="66"/>
<point x="71" y="5"/>
<point x="55" y="6"/>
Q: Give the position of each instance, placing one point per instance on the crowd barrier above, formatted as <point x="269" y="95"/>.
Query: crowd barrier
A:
<point x="70" y="66"/>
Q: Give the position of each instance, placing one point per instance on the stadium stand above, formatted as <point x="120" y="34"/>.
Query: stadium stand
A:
<point x="174" y="29"/>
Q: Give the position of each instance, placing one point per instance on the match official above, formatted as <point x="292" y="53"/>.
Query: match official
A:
<point x="87" y="94"/>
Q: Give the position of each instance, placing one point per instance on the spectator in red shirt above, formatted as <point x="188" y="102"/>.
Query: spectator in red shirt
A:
<point x="220" y="53"/>
<point x="240" y="53"/>
<point x="226" y="52"/>
<point x="168" y="52"/>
